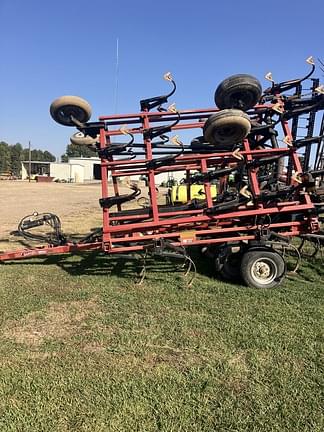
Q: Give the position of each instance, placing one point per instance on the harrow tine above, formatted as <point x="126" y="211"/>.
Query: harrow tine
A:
<point x="142" y="273"/>
<point x="190" y="266"/>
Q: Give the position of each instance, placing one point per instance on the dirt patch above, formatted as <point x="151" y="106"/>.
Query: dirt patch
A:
<point x="76" y="204"/>
<point x="238" y="378"/>
<point x="94" y="348"/>
<point x="238" y="363"/>
<point x="68" y="201"/>
<point x="58" y="322"/>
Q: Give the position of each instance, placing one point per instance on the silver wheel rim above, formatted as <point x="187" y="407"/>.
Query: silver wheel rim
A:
<point x="264" y="271"/>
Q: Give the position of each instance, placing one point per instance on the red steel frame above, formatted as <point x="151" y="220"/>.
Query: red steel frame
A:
<point x="126" y="233"/>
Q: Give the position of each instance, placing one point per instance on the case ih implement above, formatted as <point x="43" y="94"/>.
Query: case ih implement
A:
<point x="258" y="148"/>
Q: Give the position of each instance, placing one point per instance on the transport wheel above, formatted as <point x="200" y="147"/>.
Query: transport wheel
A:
<point x="231" y="268"/>
<point x="262" y="268"/>
<point x="64" y="107"/>
<point x="238" y="91"/>
<point x="80" y="139"/>
<point x="226" y="128"/>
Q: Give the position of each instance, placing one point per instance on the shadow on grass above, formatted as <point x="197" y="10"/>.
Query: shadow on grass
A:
<point x="311" y="269"/>
<point x="125" y="266"/>
<point x="128" y="266"/>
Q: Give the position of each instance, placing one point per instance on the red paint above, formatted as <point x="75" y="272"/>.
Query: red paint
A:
<point x="136" y="234"/>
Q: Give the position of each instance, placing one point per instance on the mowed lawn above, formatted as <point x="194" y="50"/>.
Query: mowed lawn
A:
<point x="84" y="348"/>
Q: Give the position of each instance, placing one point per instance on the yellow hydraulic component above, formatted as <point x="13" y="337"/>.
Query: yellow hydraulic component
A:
<point x="179" y="194"/>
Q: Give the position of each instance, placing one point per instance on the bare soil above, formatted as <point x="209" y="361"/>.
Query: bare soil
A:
<point x="58" y="321"/>
<point x="69" y="201"/>
<point x="76" y="204"/>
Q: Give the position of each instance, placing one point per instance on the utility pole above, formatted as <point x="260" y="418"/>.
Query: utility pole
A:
<point x="29" y="161"/>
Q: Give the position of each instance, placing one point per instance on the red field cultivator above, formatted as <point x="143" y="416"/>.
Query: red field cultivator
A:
<point x="258" y="178"/>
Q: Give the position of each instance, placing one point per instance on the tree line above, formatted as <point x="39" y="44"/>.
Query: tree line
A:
<point x="74" y="150"/>
<point x="11" y="157"/>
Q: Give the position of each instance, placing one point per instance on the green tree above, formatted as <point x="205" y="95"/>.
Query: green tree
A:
<point x="25" y="154"/>
<point x="49" y="157"/>
<point x="74" y="150"/>
<point x="16" y="156"/>
<point x="5" y="159"/>
<point x="38" y="155"/>
<point x="11" y="157"/>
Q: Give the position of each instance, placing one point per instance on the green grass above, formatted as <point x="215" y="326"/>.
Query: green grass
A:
<point x="83" y="348"/>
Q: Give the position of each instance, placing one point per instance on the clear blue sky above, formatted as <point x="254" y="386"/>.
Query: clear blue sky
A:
<point x="51" y="48"/>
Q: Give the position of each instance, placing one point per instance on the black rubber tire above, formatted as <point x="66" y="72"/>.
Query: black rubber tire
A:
<point x="226" y="128"/>
<point x="262" y="268"/>
<point x="240" y="91"/>
<point x="64" y="107"/>
<point x="80" y="139"/>
<point x="231" y="270"/>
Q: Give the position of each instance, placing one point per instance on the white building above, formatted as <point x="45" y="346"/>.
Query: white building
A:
<point x="91" y="167"/>
<point x="76" y="170"/>
<point x="70" y="172"/>
<point x="79" y="170"/>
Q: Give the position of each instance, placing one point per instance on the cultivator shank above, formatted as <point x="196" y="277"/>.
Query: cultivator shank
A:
<point x="266" y="174"/>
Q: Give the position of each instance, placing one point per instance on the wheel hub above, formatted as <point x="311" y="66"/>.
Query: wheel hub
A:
<point x="264" y="271"/>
